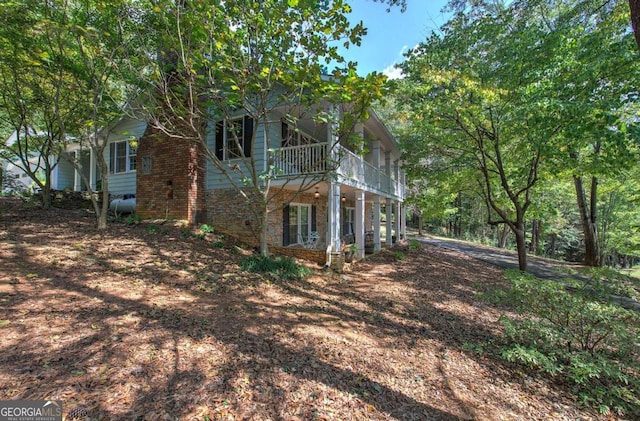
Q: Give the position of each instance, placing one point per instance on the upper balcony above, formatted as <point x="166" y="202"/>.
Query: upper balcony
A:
<point x="350" y="169"/>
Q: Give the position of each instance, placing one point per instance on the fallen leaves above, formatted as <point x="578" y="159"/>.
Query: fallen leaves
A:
<point x="149" y="328"/>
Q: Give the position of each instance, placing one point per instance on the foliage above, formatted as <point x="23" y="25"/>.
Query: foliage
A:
<point x="61" y="81"/>
<point x="490" y="105"/>
<point x="215" y="61"/>
<point x="276" y="266"/>
<point x="132" y="219"/>
<point x="206" y="229"/>
<point x="414" y="244"/>
<point x="574" y="332"/>
<point x="398" y="255"/>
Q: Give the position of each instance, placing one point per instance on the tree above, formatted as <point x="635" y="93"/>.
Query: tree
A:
<point x="510" y="93"/>
<point x="216" y="60"/>
<point x="31" y="85"/>
<point x="58" y="67"/>
<point x="469" y="120"/>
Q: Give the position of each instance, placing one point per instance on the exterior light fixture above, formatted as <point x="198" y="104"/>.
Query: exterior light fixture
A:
<point x="316" y="195"/>
<point x="344" y="198"/>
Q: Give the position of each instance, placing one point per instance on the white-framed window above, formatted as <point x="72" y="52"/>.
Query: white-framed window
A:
<point x="233" y="140"/>
<point x="299" y="222"/>
<point x="122" y="157"/>
<point x="348" y="220"/>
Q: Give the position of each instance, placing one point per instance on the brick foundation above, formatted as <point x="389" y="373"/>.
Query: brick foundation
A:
<point x="231" y="214"/>
<point x="317" y="256"/>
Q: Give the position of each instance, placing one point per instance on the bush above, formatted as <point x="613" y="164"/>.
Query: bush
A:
<point x="398" y="255"/>
<point x="575" y="332"/>
<point x="414" y="245"/>
<point x="279" y="267"/>
<point x="206" y="229"/>
<point x="132" y="219"/>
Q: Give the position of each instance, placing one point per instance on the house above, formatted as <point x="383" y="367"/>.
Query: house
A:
<point x="120" y="154"/>
<point x="175" y="180"/>
<point x="172" y="178"/>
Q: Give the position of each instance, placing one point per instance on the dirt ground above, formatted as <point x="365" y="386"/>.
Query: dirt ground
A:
<point x="147" y="322"/>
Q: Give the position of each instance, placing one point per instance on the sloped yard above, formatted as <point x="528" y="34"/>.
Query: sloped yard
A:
<point x="147" y="322"/>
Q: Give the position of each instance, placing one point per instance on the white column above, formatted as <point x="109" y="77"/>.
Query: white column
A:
<point x="77" y="182"/>
<point x="388" y="169"/>
<point x="396" y="176"/>
<point x="375" y="161"/>
<point x="333" y="237"/>
<point x="389" y="224"/>
<point x="92" y="169"/>
<point x="376" y="223"/>
<point x="403" y="221"/>
<point x="360" y="226"/>
<point x="398" y="219"/>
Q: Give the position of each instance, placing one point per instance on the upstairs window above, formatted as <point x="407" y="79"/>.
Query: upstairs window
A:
<point x="233" y="139"/>
<point x="293" y="137"/>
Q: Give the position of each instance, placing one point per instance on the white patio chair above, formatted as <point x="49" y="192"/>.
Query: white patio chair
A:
<point x="312" y="240"/>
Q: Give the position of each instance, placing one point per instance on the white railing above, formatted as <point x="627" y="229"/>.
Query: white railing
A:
<point x="299" y="160"/>
<point x="315" y="159"/>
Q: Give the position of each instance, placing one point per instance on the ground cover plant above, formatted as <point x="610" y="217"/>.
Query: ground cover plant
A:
<point x="576" y="333"/>
<point x="146" y="323"/>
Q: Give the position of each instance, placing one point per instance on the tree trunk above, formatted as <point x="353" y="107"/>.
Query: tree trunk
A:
<point x="264" y="244"/>
<point x="503" y="234"/>
<point x="521" y="244"/>
<point x="535" y="236"/>
<point x="420" y="222"/>
<point x="458" y="217"/>
<point x="46" y="193"/>
<point x="634" y="7"/>
<point x="104" y="211"/>
<point x="588" y="219"/>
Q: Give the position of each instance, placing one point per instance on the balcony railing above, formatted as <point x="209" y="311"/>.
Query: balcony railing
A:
<point x="300" y="160"/>
<point x="352" y="169"/>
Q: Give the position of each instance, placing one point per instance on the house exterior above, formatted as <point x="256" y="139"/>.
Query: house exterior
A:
<point x="173" y="179"/>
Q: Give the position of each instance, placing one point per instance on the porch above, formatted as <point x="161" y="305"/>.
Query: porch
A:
<point x="350" y="169"/>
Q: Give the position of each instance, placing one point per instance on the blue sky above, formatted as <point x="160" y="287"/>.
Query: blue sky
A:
<point x="391" y="34"/>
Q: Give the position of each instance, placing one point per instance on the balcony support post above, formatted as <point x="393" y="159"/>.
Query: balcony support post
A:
<point x="389" y="223"/>
<point x="333" y="237"/>
<point x="359" y="222"/>
<point x="376" y="223"/>
<point x="375" y="161"/>
<point x="396" y="227"/>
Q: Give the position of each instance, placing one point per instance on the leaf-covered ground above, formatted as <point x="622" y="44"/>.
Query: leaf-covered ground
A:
<point x="145" y="322"/>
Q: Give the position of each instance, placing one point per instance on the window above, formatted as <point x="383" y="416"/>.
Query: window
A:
<point x="293" y="137"/>
<point x="122" y="157"/>
<point x="234" y="139"/>
<point x="299" y="221"/>
<point x="348" y="219"/>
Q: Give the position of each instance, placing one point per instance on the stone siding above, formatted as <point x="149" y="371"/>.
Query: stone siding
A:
<point x="312" y="255"/>
<point x="231" y="214"/>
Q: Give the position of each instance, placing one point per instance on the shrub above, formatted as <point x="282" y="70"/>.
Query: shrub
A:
<point x="132" y="219"/>
<point x="280" y="267"/>
<point x="575" y="331"/>
<point x="414" y="244"/>
<point x="398" y="255"/>
<point x="206" y="229"/>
